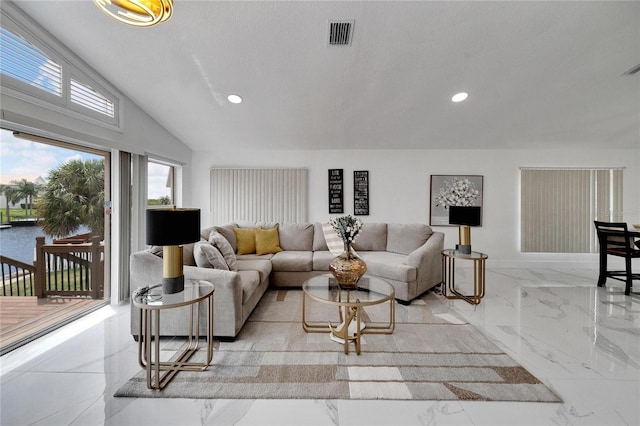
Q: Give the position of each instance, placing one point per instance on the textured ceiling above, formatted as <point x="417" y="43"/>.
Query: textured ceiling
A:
<point x="539" y="74"/>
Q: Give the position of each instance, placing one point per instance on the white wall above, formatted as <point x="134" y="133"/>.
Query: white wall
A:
<point x="399" y="187"/>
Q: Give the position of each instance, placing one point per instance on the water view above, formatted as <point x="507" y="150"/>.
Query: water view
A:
<point x="19" y="242"/>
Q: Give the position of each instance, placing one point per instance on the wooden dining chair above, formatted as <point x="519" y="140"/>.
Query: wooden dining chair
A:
<point x="615" y="240"/>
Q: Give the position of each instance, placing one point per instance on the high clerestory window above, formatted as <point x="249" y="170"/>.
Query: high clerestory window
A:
<point x="84" y="95"/>
<point x="24" y="62"/>
<point x="30" y="67"/>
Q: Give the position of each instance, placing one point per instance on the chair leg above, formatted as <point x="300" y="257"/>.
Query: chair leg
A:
<point x="603" y="269"/>
<point x="627" y="289"/>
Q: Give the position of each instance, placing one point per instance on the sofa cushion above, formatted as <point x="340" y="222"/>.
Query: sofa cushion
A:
<point x="405" y="238"/>
<point x="389" y="265"/>
<point x="208" y="256"/>
<point x="372" y="237"/>
<point x="321" y="260"/>
<point x="262" y="266"/>
<point x="319" y="243"/>
<point x="222" y="244"/>
<point x="296" y="236"/>
<point x="250" y="282"/>
<point x="292" y="261"/>
<point x="254" y="256"/>
<point x="267" y="241"/>
<point x="246" y="239"/>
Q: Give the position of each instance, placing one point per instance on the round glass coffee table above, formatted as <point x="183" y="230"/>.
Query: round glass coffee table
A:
<point x="151" y="301"/>
<point x="350" y="303"/>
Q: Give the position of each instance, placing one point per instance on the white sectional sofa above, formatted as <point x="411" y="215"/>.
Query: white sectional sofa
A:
<point x="406" y="255"/>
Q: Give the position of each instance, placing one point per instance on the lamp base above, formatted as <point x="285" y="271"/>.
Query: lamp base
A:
<point x="173" y="285"/>
<point x="463" y="248"/>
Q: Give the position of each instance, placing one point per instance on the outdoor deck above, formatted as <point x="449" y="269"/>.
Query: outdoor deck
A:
<point x="25" y="316"/>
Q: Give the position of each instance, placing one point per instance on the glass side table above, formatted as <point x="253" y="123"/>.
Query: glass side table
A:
<point x="151" y="302"/>
<point x="370" y="291"/>
<point x="449" y="257"/>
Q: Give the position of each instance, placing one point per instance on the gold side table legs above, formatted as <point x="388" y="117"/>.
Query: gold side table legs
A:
<point x="160" y="373"/>
<point x="449" y="290"/>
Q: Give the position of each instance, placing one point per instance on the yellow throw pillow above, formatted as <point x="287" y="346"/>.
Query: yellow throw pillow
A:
<point x="246" y="238"/>
<point x="267" y="241"/>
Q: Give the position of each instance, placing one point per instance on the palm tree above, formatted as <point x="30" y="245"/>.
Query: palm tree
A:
<point x="74" y="196"/>
<point x="11" y="195"/>
<point x="27" y="190"/>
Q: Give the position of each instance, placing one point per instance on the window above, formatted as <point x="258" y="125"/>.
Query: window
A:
<point x="26" y="63"/>
<point x="82" y="94"/>
<point x="558" y="207"/>
<point x="160" y="184"/>
<point x="34" y="70"/>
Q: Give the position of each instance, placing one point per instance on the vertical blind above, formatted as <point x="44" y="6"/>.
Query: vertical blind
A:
<point x="259" y="195"/>
<point x="558" y="207"/>
<point x="125" y="226"/>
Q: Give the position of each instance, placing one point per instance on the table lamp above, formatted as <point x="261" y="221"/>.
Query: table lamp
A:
<point x="169" y="228"/>
<point x="465" y="216"/>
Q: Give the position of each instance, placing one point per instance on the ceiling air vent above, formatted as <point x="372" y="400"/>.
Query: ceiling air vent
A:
<point x="340" y="33"/>
<point x="633" y="70"/>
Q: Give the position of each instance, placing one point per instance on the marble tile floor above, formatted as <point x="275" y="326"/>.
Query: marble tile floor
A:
<point x="581" y="341"/>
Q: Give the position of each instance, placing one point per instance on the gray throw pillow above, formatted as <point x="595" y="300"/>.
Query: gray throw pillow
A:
<point x="207" y="256"/>
<point x="221" y="243"/>
<point x="187" y="253"/>
<point x="156" y="250"/>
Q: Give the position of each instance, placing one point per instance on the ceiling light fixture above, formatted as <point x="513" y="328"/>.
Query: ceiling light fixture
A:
<point x="139" y="13"/>
<point x="234" y="99"/>
<point x="459" y="97"/>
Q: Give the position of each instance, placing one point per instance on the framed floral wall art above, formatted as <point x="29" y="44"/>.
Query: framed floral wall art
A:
<point x="453" y="190"/>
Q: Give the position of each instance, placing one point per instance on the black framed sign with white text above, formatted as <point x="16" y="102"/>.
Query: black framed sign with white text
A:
<point x="361" y="192"/>
<point x="336" y="191"/>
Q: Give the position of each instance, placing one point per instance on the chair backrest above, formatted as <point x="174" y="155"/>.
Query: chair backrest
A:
<point x="614" y="235"/>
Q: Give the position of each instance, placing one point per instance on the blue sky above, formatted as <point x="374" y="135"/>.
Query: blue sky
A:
<point x="20" y="158"/>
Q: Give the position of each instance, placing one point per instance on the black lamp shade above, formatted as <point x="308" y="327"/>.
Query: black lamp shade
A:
<point x="465" y="215"/>
<point x="172" y="227"/>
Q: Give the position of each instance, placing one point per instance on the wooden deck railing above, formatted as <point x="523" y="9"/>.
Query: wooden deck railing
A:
<point x="17" y="277"/>
<point x="75" y="269"/>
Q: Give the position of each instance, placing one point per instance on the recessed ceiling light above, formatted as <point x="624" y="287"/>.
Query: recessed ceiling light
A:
<point x="459" y="97"/>
<point x="234" y="99"/>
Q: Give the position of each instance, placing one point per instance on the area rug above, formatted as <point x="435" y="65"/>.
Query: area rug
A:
<point x="432" y="355"/>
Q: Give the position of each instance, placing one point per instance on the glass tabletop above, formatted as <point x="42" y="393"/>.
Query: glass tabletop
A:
<point x="152" y="297"/>
<point x="475" y="255"/>
<point x="370" y="291"/>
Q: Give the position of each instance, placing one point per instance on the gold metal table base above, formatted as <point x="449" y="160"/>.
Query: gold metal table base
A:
<point x="349" y="312"/>
<point x="449" y="276"/>
<point x="160" y="373"/>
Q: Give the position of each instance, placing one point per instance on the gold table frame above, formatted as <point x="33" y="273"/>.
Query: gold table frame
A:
<point x="449" y="257"/>
<point x="151" y="302"/>
<point x="349" y="307"/>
